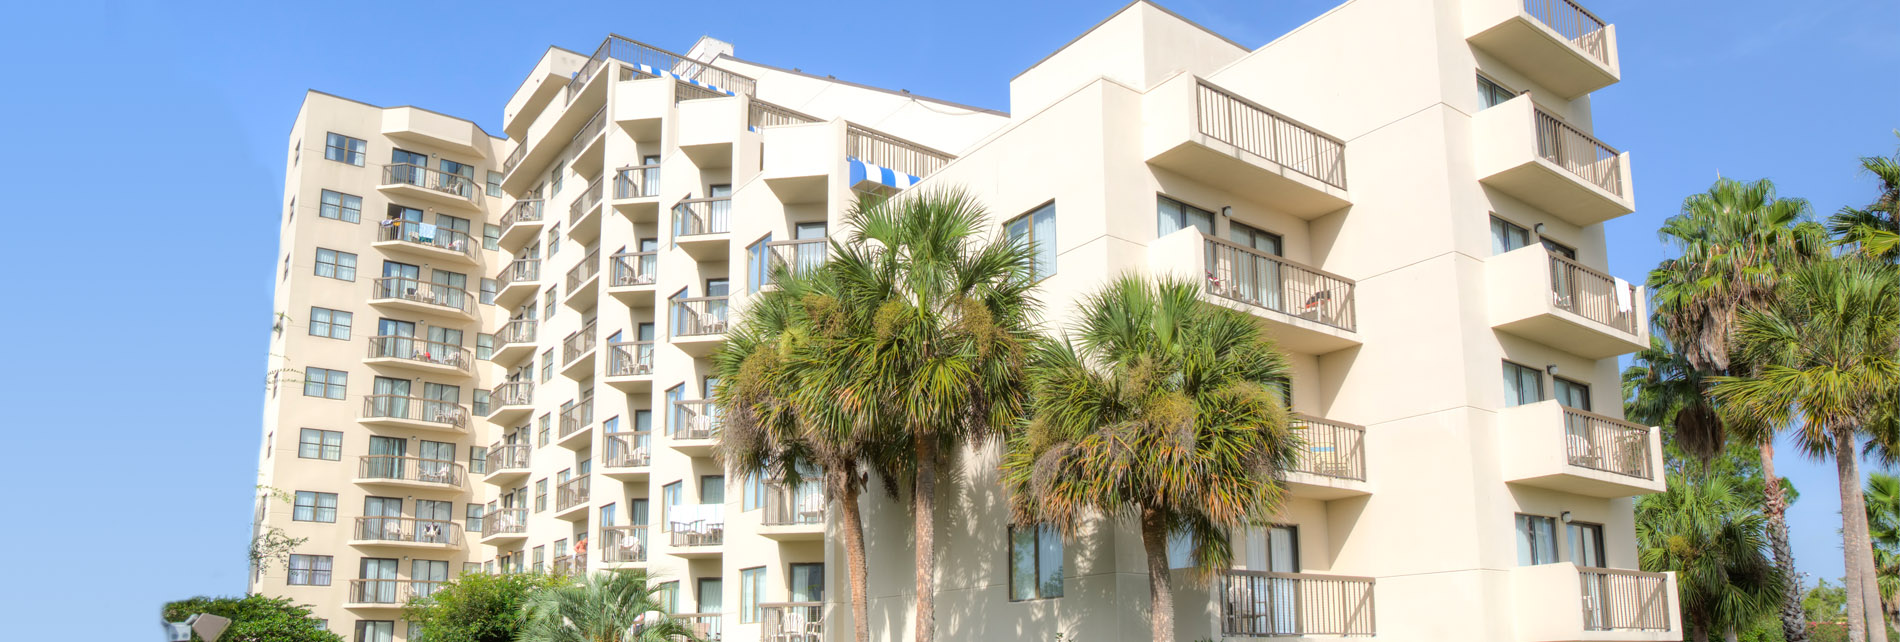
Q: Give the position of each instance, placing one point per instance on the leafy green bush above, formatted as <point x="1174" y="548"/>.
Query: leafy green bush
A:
<point x="254" y="618"/>
<point x="477" y="607"/>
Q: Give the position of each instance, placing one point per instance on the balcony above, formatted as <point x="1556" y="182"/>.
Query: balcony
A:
<point x="868" y="153"/>
<point x="1556" y="43"/>
<point x="568" y="566"/>
<point x="521" y="224"/>
<point x="583" y="215"/>
<point x="406" y="532"/>
<point x="1332" y="462"/>
<point x="570" y="498"/>
<point x="430" y="357"/>
<point x="387" y="594"/>
<point x="623" y="544"/>
<point x="1521" y="150"/>
<point x="504" y="524"/>
<point x="705" y="626"/>
<point x="628" y="455"/>
<point x="702" y="227"/>
<point x="707" y="126"/>
<point x="577" y="424"/>
<point x="426" y="242"/>
<point x="422" y="297"/>
<point x="794" y="512"/>
<point x="792" y="621"/>
<point x="1258" y="604"/>
<point x="590" y="144"/>
<point x="1569" y="602"/>
<point x="1305" y="309"/>
<point x="1214" y="136"/>
<point x="583" y="280"/>
<point x="797" y="257"/>
<point x="696" y="427"/>
<point x="433" y="186"/>
<point x="1560" y="303"/>
<point x="510" y="402"/>
<point x="415" y="413"/>
<point x="637" y="193"/>
<point x="630" y="366"/>
<point x="1574" y="451"/>
<point x="698" y="530"/>
<point x="699" y="324"/>
<point x="507" y="464"/>
<point x="577" y="352"/>
<point x="631" y="277"/>
<point x="410" y="472"/>
<point x="517" y="282"/>
<point x="514" y="341"/>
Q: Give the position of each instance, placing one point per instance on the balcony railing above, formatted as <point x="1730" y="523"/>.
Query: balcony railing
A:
<point x="1332" y="449"/>
<point x="1263" y="280"/>
<point x="515" y="157"/>
<point x="761" y="114"/>
<point x="506" y="457"/>
<point x="698" y="419"/>
<point x="413" y="469"/>
<point x="689" y="91"/>
<point x="577" y="417"/>
<point x="505" y="521"/>
<point x="793" y="621"/>
<point x="579" y="343"/>
<point x="408" y="529"/>
<point x="623" y="543"/>
<point x="421" y="233"/>
<point x="705" y="625"/>
<point x="1592" y="295"/>
<point x="392" y="592"/>
<point x="421" y="350"/>
<point x="1262" y="604"/>
<point x="628" y="449"/>
<point x="885" y="150"/>
<point x="511" y="393"/>
<point x="1262" y="132"/>
<point x="516" y="331"/>
<point x="436" y="294"/>
<point x="698" y="533"/>
<point x="1597" y="442"/>
<point x="699" y="316"/>
<point x="1579" y="153"/>
<point x="1574" y="23"/>
<point x="432" y="179"/>
<point x="571" y="493"/>
<point x="635" y="268"/>
<point x="586" y="201"/>
<point x="1624" y="600"/>
<point x="519" y="271"/>
<point x="583" y="271"/>
<point x="434" y="411"/>
<point x="789" y="504"/>
<point x="629" y="358"/>
<point x="696" y="216"/>
<point x="568" y="565"/>
<point x="658" y="60"/>
<point x="527" y="211"/>
<point x="593" y="128"/>
<point x="636" y="181"/>
<point x="798" y="257"/>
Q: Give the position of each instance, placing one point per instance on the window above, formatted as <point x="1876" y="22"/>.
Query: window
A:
<point x="758" y="264"/>
<point x="540" y="496"/>
<point x="286" y="275"/>
<point x="554" y="178"/>
<point x="1039" y="229"/>
<point x="1172" y="215"/>
<point x="1586" y="544"/>
<point x="1491" y="94"/>
<point x="1522" y="385"/>
<point x="375" y="630"/>
<point x="1572" y="394"/>
<point x="320" y="444"/>
<point x="808" y="582"/>
<point x="1507" y="236"/>
<point x="491" y="237"/>
<point x="670" y="495"/>
<point x="415" y="630"/>
<point x="290" y="213"/>
<point x="325" y="322"/>
<point x="314" y="507"/>
<point x="542" y="439"/>
<point x="494" y="185"/>
<point x="540" y="557"/>
<point x="711" y="595"/>
<point x="751" y="585"/>
<point x="712" y="489"/>
<point x="547" y="366"/>
<point x="550" y="300"/>
<point x="1035" y="563"/>
<point x="1180" y="549"/>
<point x="296" y="152"/>
<point x="489" y="289"/>
<point x="752" y="495"/>
<point x="344" y="149"/>
<point x="330" y="384"/>
<point x="1536" y="540"/>
<point x="478" y="460"/>
<point x="554" y="239"/>
<point x="484" y="346"/>
<point x="336" y="265"/>
<point x="343" y="207"/>
<point x="668" y="594"/>
<point x="309" y="570"/>
<point x="481" y="402"/>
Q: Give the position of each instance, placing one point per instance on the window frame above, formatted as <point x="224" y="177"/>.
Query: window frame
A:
<point x="325" y="451"/>
<point x="311" y="572"/>
<point x="337" y="380"/>
<point x="1535" y="372"/>
<point x="315" y="508"/>
<point x="353" y="151"/>
<point x="331" y="324"/>
<point x="1029" y="231"/>
<point x="1520" y="532"/>
<point x="1036" y="551"/>
<point x="336" y="264"/>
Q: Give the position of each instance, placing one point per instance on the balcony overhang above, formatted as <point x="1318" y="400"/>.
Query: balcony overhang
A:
<point x="1566" y="67"/>
<point x="1538" y="449"/>
<point x="509" y="416"/>
<point x="582" y="367"/>
<point x="629" y="474"/>
<point x="1506" y="158"/>
<point x="512" y="352"/>
<point x="699" y="345"/>
<point x="513" y="293"/>
<point x="641" y="106"/>
<point x="801" y="159"/>
<point x="1174" y="138"/>
<point x="1322" y="487"/>
<point x="549" y="144"/>
<point x="497" y="539"/>
<point x="520" y="234"/>
<point x="1524" y="302"/>
<point x="586" y="295"/>
<point x="578" y="440"/>
<point x="631" y="384"/>
<point x="405" y="192"/>
<point x="411" y="306"/>
<point x="713" y="551"/>
<point x="430" y="129"/>
<point x="421" y="366"/>
<point x="575" y="513"/>
<point x="792" y="532"/>
<point x="411" y="424"/>
<point x="695" y="447"/>
<point x="634" y="296"/>
<point x="709" y="128"/>
<point x="507" y="478"/>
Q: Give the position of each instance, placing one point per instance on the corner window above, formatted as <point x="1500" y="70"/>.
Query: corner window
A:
<point x="1035" y="563"/>
<point x="344" y="149"/>
<point x="1038" y="229"/>
<point x="1536" y="540"/>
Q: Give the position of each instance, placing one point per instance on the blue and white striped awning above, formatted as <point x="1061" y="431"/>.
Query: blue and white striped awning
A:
<point x="862" y="171"/>
<point x="662" y="73"/>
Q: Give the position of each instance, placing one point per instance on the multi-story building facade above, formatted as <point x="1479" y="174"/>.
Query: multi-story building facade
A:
<point x="533" y="397"/>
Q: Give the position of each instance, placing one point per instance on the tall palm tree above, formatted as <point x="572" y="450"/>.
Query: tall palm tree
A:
<point x="1874" y="230"/>
<point x="1734" y="240"/>
<point x="612" y="606"/>
<point x="1826" y="352"/>
<point x="1883" y="528"/>
<point x="1707" y="530"/>
<point x="1164" y="409"/>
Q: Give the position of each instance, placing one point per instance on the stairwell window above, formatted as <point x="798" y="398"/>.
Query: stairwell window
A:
<point x="1038" y="229"/>
<point x="344" y="149"/>
<point x="1035" y="563"/>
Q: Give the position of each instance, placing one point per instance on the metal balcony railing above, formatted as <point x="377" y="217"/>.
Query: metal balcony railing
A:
<point x="424" y="234"/>
<point x="699" y="316"/>
<point x="792" y="621"/>
<point x="629" y="358"/>
<point x="1332" y="449"/>
<point x="514" y="159"/>
<point x="579" y="343"/>
<point x="506" y="457"/>
<point x="1575" y="24"/>
<point x="421" y="350"/>
<point x="1623" y="600"/>
<point x="1263" y="280"/>
<point x="698" y="533"/>
<point x="435" y="294"/>
<point x="1262" y="604"/>
<point x="801" y="256"/>
<point x="411" y="469"/>
<point x="790" y="504"/>
<point x="1597" y="442"/>
<point x="1579" y="153"/>
<point x="593" y="128"/>
<point x="761" y="114"/>
<point x="585" y="202"/>
<point x="885" y="150"/>
<point x="577" y="417"/>
<point x="1592" y="295"/>
<point x="519" y="271"/>
<point x="571" y="493"/>
<point x="525" y="211"/>
<point x="634" y="268"/>
<point x="637" y="181"/>
<point x="696" y="216"/>
<point x="657" y="59"/>
<point x="392" y="592"/>
<point x="447" y="413"/>
<point x="408" y="530"/>
<point x="516" y="331"/>
<point x="697" y="419"/>
<point x="628" y="449"/>
<point x="505" y="521"/>
<point x="1262" y="132"/>
<point x="511" y="393"/>
<point x="583" y="272"/>
<point x="623" y="544"/>
<point x="432" y="179"/>
<point x="705" y="625"/>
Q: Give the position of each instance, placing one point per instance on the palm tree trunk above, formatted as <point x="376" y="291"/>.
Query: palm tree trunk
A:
<point x="1794" y="621"/>
<point x="1728" y="634"/>
<point x="1699" y="634"/>
<point x="1863" y="550"/>
<point x="853" y="517"/>
<point x="1853" y="532"/>
<point x="924" y="500"/>
<point x="1154" y="541"/>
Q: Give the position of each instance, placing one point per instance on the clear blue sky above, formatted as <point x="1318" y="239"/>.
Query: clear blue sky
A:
<point x="162" y="126"/>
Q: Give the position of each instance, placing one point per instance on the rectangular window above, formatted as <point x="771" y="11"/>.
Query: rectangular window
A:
<point x="1507" y="236"/>
<point x="1038" y="229"/>
<point x="542" y="438"/>
<point x="540" y="494"/>
<point x="478" y="460"/>
<point x="489" y="289"/>
<point x="375" y="630"/>
<point x="550" y="300"/>
<point x="330" y="384"/>
<point x="481" y="402"/>
<point x="309" y="570"/>
<point x="325" y="322"/>
<point x="336" y="265"/>
<point x="758" y="264"/>
<point x="1572" y="394"/>
<point x="554" y="178"/>
<point x="344" y="149"/>
<point x="314" y="507"/>
<point x="320" y="444"/>
<point x="1172" y="215"/>
<point x="1586" y="544"/>
<point x="751" y="586"/>
<point x="1522" y="385"/>
<point x="808" y="582"/>
<point x="343" y="207"/>
<point x="554" y="239"/>
<point x="547" y="365"/>
<point x="494" y="186"/>
<point x="670" y="495"/>
<point x="669" y="596"/>
<point x="484" y="346"/>
<point x="752" y="495"/>
<point x="491" y="237"/>
<point x="1536" y="540"/>
<point x="1491" y="94"/>
<point x="1035" y="563"/>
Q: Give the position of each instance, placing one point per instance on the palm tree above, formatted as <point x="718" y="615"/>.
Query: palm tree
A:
<point x="1874" y="230"/>
<point x="1707" y="530"/>
<point x="1826" y="352"/>
<point x="613" y="606"/>
<point x="1883" y="528"/>
<point x="1164" y="409"/>
<point x="1734" y="241"/>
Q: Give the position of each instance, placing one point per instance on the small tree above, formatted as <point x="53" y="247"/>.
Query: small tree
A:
<point x="612" y="606"/>
<point x="477" y="607"/>
<point x="254" y="618"/>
